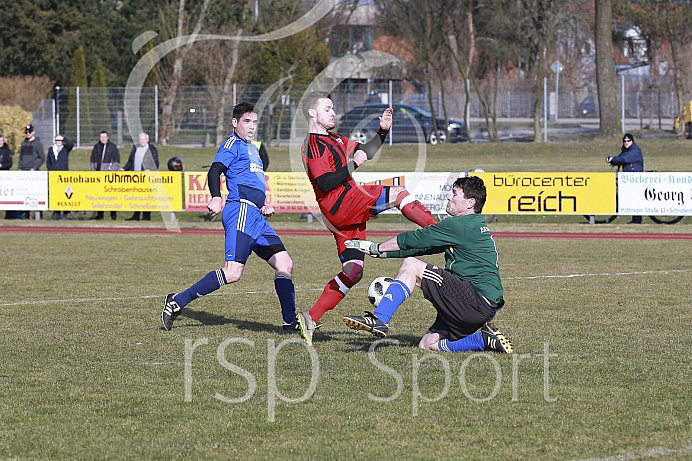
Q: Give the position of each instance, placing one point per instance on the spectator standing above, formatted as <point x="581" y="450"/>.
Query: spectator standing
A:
<point x="6" y="164"/>
<point x="105" y="156"/>
<point x="58" y="159"/>
<point x="31" y="157"/>
<point x="143" y="157"/>
<point x="5" y="154"/>
<point x="630" y="159"/>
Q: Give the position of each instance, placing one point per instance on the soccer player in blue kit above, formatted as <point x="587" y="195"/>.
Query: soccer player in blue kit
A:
<point x="244" y="222"/>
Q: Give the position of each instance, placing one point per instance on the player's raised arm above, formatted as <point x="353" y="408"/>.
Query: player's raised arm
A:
<point x="371" y="147"/>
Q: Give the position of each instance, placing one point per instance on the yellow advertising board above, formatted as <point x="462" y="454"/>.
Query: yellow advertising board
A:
<point x="196" y="192"/>
<point x="116" y="190"/>
<point x="291" y="193"/>
<point x="286" y="192"/>
<point x="549" y="193"/>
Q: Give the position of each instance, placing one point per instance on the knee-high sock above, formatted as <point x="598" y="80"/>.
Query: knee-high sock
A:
<point x="333" y="292"/>
<point x="210" y="282"/>
<point x="395" y="295"/>
<point x="413" y="210"/>
<point x="287" y="297"/>
<point x="472" y="342"/>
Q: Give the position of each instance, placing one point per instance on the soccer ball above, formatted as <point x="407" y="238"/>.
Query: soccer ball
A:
<point x="377" y="289"/>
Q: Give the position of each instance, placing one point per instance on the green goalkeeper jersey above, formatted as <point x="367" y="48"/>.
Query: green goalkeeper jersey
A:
<point x="469" y="250"/>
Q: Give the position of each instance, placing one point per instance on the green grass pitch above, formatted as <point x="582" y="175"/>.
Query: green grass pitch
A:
<point x="601" y="331"/>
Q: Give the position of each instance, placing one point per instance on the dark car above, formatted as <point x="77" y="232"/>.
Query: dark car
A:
<point x="410" y="124"/>
<point x="588" y="107"/>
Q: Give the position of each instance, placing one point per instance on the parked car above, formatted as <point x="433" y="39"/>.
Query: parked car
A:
<point x="410" y="124"/>
<point x="588" y="107"/>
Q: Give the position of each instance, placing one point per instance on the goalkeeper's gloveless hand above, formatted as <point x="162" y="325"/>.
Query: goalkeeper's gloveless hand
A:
<point x="367" y="247"/>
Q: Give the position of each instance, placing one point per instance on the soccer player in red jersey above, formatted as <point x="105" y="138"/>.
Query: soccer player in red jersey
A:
<point x="329" y="161"/>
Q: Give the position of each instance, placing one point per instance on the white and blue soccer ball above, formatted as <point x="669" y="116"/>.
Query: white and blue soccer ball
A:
<point x="377" y="289"/>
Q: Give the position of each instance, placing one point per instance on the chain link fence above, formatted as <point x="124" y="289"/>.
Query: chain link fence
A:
<point x="81" y="113"/>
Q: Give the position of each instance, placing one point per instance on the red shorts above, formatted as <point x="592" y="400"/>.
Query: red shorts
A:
<point x="348" y="222"/>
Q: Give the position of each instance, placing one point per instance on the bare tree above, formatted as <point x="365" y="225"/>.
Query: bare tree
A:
<point x="544" y="22"/>
<point x="605" y="71"/>
<point x="420" y="23"/>
<point x="226" y="92"/>
<point x="663" y="25"/>
<point x="171" y="76"/>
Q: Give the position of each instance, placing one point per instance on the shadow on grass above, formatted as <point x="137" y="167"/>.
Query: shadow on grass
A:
<point x="362" y="341"/>
<point x="356" y="341"/>
<point x="208" y="319"/>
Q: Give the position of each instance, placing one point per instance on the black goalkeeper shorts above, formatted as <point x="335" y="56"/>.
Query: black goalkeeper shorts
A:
<point x="461" y="310"/>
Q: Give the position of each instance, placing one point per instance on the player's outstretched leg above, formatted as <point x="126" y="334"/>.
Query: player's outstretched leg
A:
<point x="413" y="210"/>
<point x="176" y="302"/>
<point x="368" y="322"/>
<point x="337" y="288"/>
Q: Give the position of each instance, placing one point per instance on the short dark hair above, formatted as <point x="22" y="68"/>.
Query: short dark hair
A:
<point x="473" y="187"/>
<point x="242" y="108"/>
<point x="310" y="101"/>
<point x="102" y="132"/>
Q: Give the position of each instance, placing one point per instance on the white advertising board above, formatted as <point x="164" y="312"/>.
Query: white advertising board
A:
<point x="24" y="190"/>
<point x="653" y="193"/>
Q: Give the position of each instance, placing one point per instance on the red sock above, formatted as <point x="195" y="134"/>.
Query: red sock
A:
<point x="333" y="292"/>
<point x="413" y="210"/>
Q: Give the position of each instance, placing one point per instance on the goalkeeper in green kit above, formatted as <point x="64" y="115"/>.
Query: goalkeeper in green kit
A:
<point x="467" y="292"/>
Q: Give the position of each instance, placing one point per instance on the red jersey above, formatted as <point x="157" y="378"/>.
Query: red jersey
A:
<point x="346" y="203"/>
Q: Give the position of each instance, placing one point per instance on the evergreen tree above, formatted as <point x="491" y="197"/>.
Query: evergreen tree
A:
<point x="78" y="78"/>
<point x="98" y="99"/>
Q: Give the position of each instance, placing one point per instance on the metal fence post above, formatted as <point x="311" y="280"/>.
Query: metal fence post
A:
<point x="545" y="109"/>
<point x="120" y="127"/>
<point x="78" y="133"/>
<point x="57" y="109"/>
<point x="55" y="132"/>
<point x="391" y="135"/>
<point x="622" y="79"/>
<point x="156" y="115"/>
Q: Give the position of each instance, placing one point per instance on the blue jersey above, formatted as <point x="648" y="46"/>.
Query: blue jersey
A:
<point x="245" y="174"/>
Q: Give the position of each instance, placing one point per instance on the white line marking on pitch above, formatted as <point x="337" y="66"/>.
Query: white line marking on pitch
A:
<point x="363" y="286"/>
<point x="653" y="453"/>
<point x="603" y="274"/>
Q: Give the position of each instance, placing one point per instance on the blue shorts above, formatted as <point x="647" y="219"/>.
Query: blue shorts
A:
<point x="247" y="231"/>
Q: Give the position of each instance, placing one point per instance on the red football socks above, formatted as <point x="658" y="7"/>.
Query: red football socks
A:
<point x="333" y="293"/>
<point x="413" y="210"/>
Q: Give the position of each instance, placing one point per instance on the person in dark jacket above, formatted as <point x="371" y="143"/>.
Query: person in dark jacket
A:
<point x="143" y="157"/>
<point x="630" y="160"/>
<point x="31" y="157"/>
<point x="6" y="164"/>
<point x="5" y="154"/>
<point x="105" y="156"/>
<point x="58" y="159"/>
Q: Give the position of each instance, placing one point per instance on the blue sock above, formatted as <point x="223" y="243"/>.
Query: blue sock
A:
<point x="210" y="282"/>
<point x="287" y="297"/>
<point x="472" y="342"/>
<point x="395" y="295"/>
